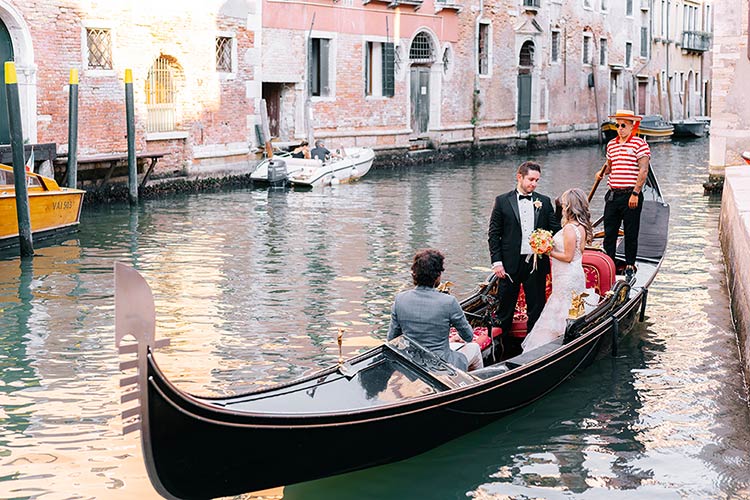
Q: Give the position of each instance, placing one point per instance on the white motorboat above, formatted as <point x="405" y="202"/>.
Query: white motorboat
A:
<point x="353" y="164"/>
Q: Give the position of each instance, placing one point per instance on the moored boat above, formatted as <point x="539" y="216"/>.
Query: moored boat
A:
<point x="53" y="209"/>
<point x="689" y="128"/>
<point x="350" y="166"/>
<point x="653" y="128"/>
<point x="389" y="403"/>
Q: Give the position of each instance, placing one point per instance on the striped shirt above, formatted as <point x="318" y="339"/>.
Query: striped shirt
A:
<point x="624" y="160"/>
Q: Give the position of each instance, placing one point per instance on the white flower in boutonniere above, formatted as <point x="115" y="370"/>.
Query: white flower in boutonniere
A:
<point x="537" y="204"/>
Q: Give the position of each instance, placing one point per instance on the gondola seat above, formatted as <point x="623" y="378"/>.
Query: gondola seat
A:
<point x="600" y="271"/>
<point x="600" y="275"/>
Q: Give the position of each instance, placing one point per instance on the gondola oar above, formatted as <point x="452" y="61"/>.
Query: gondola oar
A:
<point x="599" y="177"/>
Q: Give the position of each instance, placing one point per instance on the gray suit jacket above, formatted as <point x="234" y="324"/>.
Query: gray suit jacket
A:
<point x="426" y="315"/>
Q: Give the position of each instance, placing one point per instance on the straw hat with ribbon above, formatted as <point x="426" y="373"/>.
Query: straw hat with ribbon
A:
<point x="626" y="114"/>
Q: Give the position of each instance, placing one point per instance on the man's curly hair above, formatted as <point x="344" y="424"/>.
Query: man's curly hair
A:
<point x="427" y="266"/>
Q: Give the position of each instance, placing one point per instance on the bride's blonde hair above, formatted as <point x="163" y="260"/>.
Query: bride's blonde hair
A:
<point x="576" y="209"/>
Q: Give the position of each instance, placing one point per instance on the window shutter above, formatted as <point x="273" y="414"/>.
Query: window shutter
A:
<point x="310" y="67"/>
<point x="389" y="83"/>
<point x="368" y="76"/>
<point x="324" y="71"/>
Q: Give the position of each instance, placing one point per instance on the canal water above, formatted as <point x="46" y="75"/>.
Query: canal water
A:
<point x="251" y="287"/>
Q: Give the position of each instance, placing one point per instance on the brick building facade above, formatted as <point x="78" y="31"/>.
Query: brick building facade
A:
<point x="394" y="76"/>
<point x="193" y="74"/>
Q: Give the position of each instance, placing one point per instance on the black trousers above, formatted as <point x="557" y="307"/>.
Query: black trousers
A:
<point x="534" y="286"/>
<point x="617" y="211"/>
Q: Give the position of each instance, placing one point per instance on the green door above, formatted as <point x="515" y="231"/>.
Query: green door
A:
<point x="524" y="102"/>
<point x="420" y="99"/>
<point x="6" y="54"/>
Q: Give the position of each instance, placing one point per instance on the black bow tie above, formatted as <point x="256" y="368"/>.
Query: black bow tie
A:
<point x="524" y="197"/>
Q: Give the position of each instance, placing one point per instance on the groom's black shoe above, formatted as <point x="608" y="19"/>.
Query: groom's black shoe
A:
<point x="629" y="273"/>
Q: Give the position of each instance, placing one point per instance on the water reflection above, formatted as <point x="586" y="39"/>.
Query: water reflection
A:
<point x="252" y="287"/>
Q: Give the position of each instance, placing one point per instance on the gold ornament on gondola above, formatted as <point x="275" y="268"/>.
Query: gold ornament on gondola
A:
<point x="445" y="287"/>
<point x="577" y="305"/>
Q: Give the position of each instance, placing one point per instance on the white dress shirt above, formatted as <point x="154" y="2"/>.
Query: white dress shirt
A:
<point x="526" y="214"/>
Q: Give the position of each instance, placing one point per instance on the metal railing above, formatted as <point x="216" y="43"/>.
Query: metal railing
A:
<point x="532" y="3"/>
<point x="699" y="41"/>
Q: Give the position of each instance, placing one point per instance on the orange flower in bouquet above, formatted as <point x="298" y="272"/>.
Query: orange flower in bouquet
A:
<point x="541" y="243"/>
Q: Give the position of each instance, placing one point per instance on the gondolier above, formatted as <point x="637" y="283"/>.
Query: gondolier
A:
<point x="628" y="157"/>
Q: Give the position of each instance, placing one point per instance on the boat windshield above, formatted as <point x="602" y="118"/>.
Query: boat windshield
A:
<point x="6" y="179"/>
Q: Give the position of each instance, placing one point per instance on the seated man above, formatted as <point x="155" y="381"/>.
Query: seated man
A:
<point x="320" y="151"/>
<point x="426" y="315"/>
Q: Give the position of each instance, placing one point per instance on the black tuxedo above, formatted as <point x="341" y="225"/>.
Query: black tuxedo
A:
<point x="504" y="237"/>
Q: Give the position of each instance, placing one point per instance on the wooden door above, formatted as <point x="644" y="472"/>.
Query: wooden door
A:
<point x="6" y="54"/>
<point x="272" y="95"/>
<point x="642" y="95"/>
<point x="420" y="99"/>
<point x="524" y="102"/>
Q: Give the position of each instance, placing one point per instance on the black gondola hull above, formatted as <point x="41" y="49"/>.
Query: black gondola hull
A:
<point x="203" y="453"/>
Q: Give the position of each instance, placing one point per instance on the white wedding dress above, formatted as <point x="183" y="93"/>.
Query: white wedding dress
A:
<point x="566" y="279"/>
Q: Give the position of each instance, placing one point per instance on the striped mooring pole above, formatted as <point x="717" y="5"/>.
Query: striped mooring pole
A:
<point x="130" y="118"/>
<point x="73" y="130"/>
<point x="19" y="167"/>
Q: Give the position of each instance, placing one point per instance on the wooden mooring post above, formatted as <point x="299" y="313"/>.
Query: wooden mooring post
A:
<point x="73" y="130"/>
<point x="130" y="119"/>
<point x="19" y="166"/>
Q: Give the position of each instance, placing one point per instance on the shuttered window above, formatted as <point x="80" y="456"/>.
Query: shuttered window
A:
<point x="555" y="49"/>
<point x="389" y="70"/>
<point x="483" y="52"/>
<point x="379" y="78"/>
<point x="644" y="41"/>
<point x="319" y="65"/>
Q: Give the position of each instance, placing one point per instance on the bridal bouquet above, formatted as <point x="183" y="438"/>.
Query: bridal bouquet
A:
<point x="541" y="243"/>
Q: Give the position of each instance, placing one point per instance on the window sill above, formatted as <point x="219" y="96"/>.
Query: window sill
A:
<point x="448" y="6"/>
<point x="99" y="72"/>
<point x="166" y="136"/>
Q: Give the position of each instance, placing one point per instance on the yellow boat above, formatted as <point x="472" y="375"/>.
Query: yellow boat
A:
<point x="53" y="209"/>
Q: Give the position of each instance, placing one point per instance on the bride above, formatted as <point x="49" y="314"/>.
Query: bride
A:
<point x="567" y="269"/>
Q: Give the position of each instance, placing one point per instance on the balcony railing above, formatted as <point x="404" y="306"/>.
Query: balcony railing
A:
<point x="699" y="41"/>
<point x="532" y="3"/>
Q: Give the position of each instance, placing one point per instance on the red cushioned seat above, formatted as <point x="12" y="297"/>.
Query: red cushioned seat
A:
<point x="600" y="271"/>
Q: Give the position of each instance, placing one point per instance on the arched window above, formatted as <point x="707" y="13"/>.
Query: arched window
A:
<point x="161" y="93"/>
<point x="421" y="50"/>
<point x="526" y="57"/>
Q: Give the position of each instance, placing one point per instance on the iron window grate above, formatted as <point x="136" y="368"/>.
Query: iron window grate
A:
<point x="224" y="54"/>
<point x="421" y="48"/>
<point x="99" y="43"/>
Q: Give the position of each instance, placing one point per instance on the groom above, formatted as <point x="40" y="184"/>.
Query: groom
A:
<point x="514" y="216"/>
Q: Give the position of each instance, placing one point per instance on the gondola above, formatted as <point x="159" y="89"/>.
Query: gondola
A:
<point x="389" y="403"/>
